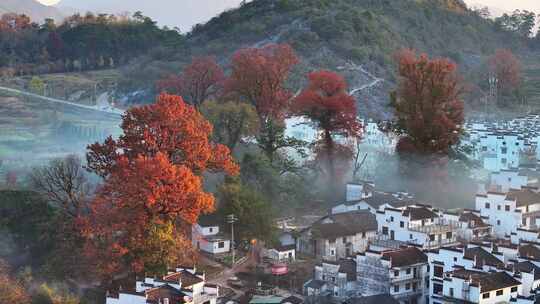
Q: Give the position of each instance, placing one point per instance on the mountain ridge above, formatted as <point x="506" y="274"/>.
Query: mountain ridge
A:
<point x="355" y="38"/>
<point x="34" y="9"/>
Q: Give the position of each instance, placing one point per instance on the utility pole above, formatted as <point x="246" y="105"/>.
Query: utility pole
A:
<point x="231" y="219"/>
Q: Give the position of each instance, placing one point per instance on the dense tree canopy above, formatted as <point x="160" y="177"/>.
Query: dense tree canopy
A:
<point x="153" y="187"/>
<point x="79" y="43"/>
<point x="232" y="121"/>
<point x="429" y="110"/>
<point x="258" y="75"/>
<point x="200" y="80"/>
<point x="169" y="126"/>
<point x="505" y="67"/>
<point x="330" y="108"/>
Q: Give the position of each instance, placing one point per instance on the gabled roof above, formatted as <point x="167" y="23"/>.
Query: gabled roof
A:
<point x="344" y="224"/>
<point x="524" y="197"/>
<point x="419" y="213"/>
<point x="529" y="251"/>
<point x="482" y="257"/>
<point x="156" y="295"/>
<point x="405" y="257"/>
<point x="528" y="267"/>
<point x="471" y="218"/>
<point x="187" y="278"/>
<point x="487" y="281"/>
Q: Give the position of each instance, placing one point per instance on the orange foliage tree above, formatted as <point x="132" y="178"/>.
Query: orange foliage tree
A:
<point x="506" y="68"/>
<point x="153" y="187"/>
<point x="11" y="291"/>
<point x="258" y="76"/>
<point x="427" y="103"/>
<point x="200" y="80"/>
<point x="332" y="110"/>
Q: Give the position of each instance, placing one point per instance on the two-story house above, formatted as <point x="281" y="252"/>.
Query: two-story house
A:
<point x="338" y="236"/>
<point x="402" y="273"/>
<point x="417" y="224"/>
<point x="183" y="285"/>
<point x="206" y="236"/>
<point x="334" y="279"/>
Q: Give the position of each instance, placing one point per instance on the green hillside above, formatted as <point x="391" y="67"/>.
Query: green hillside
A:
<point x="355" y="37"/>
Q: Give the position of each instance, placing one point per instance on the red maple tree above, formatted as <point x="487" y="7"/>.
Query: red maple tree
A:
<point x="427" y="103"/>
<point x="199" y="81"/>
<point x="258" y="75"/>
<point x="333" y="111"/>
<point x="153" y="187"/>
<point x="138" y="195"/>
<point x="506" y="68"/>
<point x="169" y="126"/>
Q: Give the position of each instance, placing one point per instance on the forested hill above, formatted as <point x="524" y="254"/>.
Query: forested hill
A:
<point x="356" y="37"/>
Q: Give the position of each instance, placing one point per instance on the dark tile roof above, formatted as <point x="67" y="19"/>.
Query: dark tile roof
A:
<point x="473" y="219"/>
<point x="283" y="248"/>
<point x="156" y="295"/>
<point x="377" y="299"/>
<point x="529" y="251"/>
<point x="524" y="197"/>
<point x="315" y="284"/>
<point x="482" y="257"/>
<point x="378" y="198"/>
<point x="528" y="267"/>
<point x="187" y="278"/>
<point x="419" y="213"/>
<point x="344" y="224"/>
<point x="487" y="281"/>
<point x="497" y="280"/>
<point x="210" y="220"/>
<point x="348" y="267"/>
<point x="405" y="257"/>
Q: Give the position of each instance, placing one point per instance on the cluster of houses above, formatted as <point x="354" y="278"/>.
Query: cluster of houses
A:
<point x="378" y="243"/>
<point x="183" y="285"/>
<point x="387" y="248"/>
<point x="504" y="145"/>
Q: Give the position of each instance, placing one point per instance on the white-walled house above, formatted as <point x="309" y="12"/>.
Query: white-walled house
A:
<point x="511" y="212"/>
<point x="447" y="259"/>
<point x="402" y="273"/>
<point x="286" y="253"/>
<point x="338" y="236"/>
<point x="184" y="285"/>
<point x="363" y="196"/>
<point x="500" y="212"/>
<point x="504" y="180"/>
<point x="206" y="236"/>
<point x="471" y="226"/>
<point x="463" y="285"/>
<point x="334" y="279"/>
<point x="416" y="224"/>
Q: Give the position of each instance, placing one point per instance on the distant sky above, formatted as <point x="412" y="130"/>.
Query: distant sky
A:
<point x="208" y="9"/>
